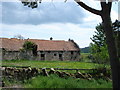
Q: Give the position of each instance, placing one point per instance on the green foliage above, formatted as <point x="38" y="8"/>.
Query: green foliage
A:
<point x="12" y="83"/>
<point x="116" y="25"/>
<point x="53" y="64"/>
<point x="53" y="81"/>
<point x="85" y="50"/>
<point x="22" y="50"/>
<point x="28" y="45"/>
<point x="99" y="54"/>
<point x="99" y="38"/>
<point x="56" y="82"/>
<point x="99" y="48"/>
<point x="84" y="57"/>
<point x="31" y="4"/>
<point x="49" y="64"/>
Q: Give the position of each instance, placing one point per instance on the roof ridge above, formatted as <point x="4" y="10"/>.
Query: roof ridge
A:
<point x="33" y="39"/>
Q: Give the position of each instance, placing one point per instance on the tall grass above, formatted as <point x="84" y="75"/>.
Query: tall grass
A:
<point x="56" y="82"/>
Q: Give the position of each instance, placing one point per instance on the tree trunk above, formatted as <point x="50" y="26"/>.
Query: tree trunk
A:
<point x="110" y="40"/>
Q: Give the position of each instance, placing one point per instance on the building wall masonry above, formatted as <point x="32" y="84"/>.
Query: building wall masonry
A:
<point x="42" y="55"/>
<point x="46" y="50"/>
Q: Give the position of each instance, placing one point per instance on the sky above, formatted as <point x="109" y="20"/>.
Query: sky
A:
<point x="52" y="18"/>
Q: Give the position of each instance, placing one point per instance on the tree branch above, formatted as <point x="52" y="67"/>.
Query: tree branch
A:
<point x="103" y="4"/>
<point x="106" y="6"/>
<point x="109" y="6"/>
<point x="98" y="12"/>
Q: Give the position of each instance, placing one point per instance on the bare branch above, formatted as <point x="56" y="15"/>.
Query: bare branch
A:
<point x="98" y="12"/>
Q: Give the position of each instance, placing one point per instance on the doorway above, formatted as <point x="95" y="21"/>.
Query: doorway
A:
<point x="42" y="56"/>
<point x="61" y="57"/>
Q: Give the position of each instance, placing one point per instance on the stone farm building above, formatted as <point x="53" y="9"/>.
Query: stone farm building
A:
<point x="46" y="49"/>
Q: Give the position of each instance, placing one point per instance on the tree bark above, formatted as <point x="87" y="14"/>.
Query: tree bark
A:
<point x="97" y="12"/>
<point x="110" y="40"/>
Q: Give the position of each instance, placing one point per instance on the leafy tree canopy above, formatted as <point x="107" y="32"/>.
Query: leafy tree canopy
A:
<point x="28" y="45"/>
<point x="99" y="46"/>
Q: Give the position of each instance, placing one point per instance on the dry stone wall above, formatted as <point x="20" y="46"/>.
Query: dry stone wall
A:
<point x="27" y="73"/>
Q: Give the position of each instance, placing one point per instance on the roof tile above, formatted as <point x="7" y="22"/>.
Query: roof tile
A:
<point x="14" y="44"/>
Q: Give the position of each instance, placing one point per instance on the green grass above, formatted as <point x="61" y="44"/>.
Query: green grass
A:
<point x="53" y="81"/>
<point x="50" y="64"/>
<point x="10" y="83"/>
<point x="57" y="82"/>
<point x="84" y="57"/>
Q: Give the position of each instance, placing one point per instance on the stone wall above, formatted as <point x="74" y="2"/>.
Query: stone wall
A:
<point x="0" y="54"/>
<point x="59" y="55"/>
<point x="42" y="55"/>
<point x="9" y="55"/>
<point x="16" y="55"/>
<point x="27" y="73"/>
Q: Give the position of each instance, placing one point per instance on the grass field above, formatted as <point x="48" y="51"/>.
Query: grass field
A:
<point x="84" y="57"/>
<point x="54" y="81"/>
<point x="51" y="64"/>
<point x="57" y="82"/>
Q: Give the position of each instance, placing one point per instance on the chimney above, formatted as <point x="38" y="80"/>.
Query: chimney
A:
<point x="51" y="38"/>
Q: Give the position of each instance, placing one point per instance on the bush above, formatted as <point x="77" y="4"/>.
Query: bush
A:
<point x="85" y="57"/>
<point x="99" y="54"/>
<point x="29" y="46"/>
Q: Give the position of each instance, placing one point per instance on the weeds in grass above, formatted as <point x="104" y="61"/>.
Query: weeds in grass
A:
<point x="56" y="82"/>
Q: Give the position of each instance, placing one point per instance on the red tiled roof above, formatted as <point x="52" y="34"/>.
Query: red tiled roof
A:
<point x="14" y="44"/>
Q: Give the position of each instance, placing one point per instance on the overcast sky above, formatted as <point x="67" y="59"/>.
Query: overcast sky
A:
<point x="51" y="19"/>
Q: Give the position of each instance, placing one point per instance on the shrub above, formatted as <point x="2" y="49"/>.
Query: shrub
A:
<point x="28" y="45"/>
